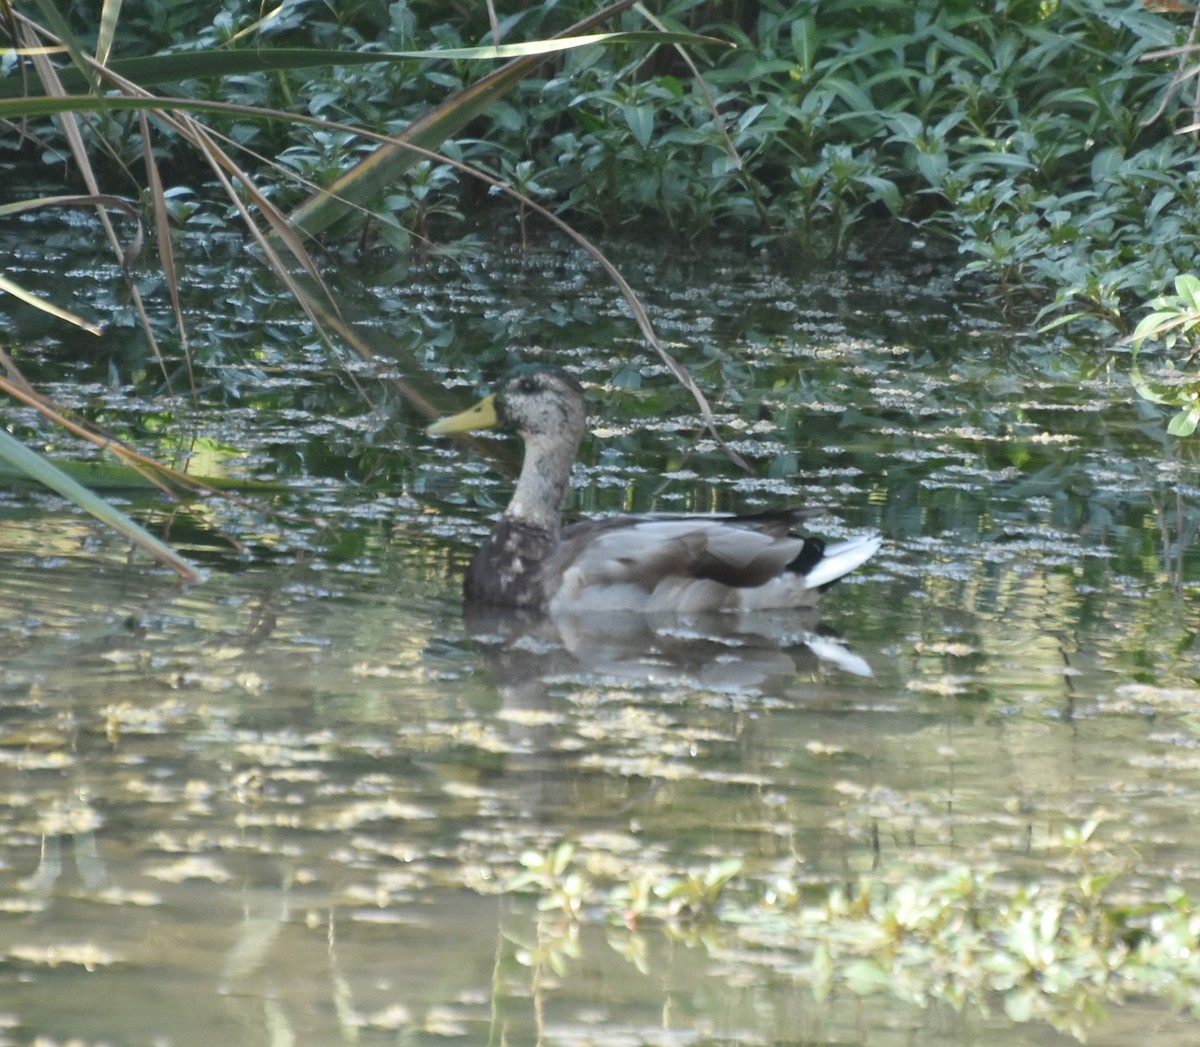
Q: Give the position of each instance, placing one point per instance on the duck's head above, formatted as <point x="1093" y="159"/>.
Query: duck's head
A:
<point x="535" y="400"/>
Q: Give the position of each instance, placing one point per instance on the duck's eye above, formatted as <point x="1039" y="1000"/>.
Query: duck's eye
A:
<point x="528" y="385"/>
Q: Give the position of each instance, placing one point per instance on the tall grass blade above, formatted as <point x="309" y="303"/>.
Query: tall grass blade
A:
<point x="47" y="473"/>
<point x="155" y="70"/>
<point x="69" y="123"/>
<point x="29" y="298"/>
<point x="110" y="14"/>
<point x="166" y="252"/>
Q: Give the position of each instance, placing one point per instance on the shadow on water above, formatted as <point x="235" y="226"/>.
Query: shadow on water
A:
<point x="308" y="802"/>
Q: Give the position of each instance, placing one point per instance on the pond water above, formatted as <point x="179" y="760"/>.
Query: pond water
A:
<point x="305" y="802"/>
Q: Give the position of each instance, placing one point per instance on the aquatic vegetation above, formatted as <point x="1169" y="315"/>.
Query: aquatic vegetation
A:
<point x="1059" y="949"/>
<point x="560" y="890"/>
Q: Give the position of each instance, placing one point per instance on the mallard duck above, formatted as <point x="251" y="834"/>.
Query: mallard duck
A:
<point x="680" y="564"/>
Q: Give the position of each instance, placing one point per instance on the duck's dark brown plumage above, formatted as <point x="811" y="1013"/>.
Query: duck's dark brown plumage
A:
<point x="638" y="563"/>
<point x="507" y="568"/>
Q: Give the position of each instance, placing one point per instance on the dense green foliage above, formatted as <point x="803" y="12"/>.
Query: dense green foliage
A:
<point x="1021" y="132"/>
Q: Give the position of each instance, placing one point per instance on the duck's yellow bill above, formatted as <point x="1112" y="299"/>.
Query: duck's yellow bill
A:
<point x="481" y="416"/>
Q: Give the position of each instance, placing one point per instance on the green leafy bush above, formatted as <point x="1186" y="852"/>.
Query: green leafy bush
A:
<point x="1030" y="137"/>
<point x="1015" y="130"/>
<point x="1174" y="321"/>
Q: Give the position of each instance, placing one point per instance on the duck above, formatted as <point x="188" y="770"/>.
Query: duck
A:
<point x="679" y="564"/>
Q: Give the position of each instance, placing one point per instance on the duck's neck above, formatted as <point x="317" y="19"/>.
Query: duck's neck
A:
<point x="544" y="482"/>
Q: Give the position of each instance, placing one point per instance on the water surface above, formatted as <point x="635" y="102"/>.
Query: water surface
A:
<point x="291" y="804"/>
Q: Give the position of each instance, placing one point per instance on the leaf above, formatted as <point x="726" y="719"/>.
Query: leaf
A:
<point x="1184" y="423"/>
<point x="723" y="871"/>
<point x="1061" y="321"/>
<point x="1144" y="389"/>
<point x="640" y="120"/>
<point x="958" y="43"/>
<point x="906" y="127"/>
<point x="562" y="857"/>
<point x="804" y="41"/>
<point x="1188" y="288"/>
<point x="749" y="116"/>
<point x="934" y="166"/>
<point x="883" y="189"/>
<point x="1020" y="1005"/>
<point x="1156" y="324"/>
<point x="1162" y="199"/>
<point x="109" y="15"/>
<point x="1009" y="160"/>
<point x="851" y="93"/>
<point x="821" y="973"/>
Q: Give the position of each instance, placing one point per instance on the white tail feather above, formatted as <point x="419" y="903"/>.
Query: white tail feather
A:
<point x="842" y="558"/>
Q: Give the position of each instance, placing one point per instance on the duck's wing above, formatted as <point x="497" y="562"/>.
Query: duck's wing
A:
<point x="689" y="564"/>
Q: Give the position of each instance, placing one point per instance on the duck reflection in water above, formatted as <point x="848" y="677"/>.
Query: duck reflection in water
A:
<point x="715" y="651"/>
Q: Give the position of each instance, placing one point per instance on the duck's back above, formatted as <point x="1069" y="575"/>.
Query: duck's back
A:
<point x="689" y="564"/>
